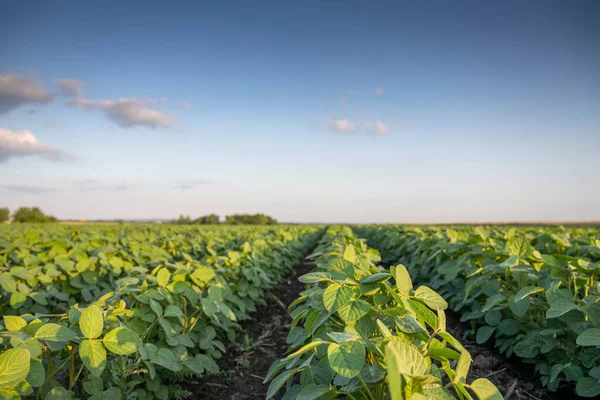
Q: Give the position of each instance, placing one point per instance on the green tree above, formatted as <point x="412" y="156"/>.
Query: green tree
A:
<point x="183" y="220"/>
<point x="250" y="219"/>
<point x="210" y="219"/>
<point x="32" y="214"/>
<point x="4" y="214"/>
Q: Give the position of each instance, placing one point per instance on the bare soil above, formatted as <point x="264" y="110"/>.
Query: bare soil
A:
<point x="247" y="361"/>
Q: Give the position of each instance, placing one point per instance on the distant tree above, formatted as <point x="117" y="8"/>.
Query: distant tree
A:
<point x="32" y="214"/>
<point x="250" y="219"/>
<point x="4" y="214"/>
<point x="183" y="220"/>
<point x="210" y="219"/>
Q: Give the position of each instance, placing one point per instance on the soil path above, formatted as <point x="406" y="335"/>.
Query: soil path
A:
<point x="247" y="361"/>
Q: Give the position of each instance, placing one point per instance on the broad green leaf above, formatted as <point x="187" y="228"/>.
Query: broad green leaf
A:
<point x="350" y="254"/>
<point x="37" y="373"/>
<point x="313" y="277"/>
<point x="394" y="362"/>
<point x="312" y="392"/>
<point x="485" y="390"/>
<point x="559" y="307"/>
<point x="204" y="274"/>
<point x="587" y="387"/>
<point x="91" y="322"/>
<point x="279" y="381"/>
<point x="354" y="310"/>
<point x="93" y="355"/>
<point x="14" y="367"/>
<point x="590" y="337"/>
<point x="13" y="323"/>
<point x="403" y="281"/>
<point x="122" y="341"/>
<point x="173" y="311"/>
<point x="484" y="333"/>
<point x="163" y="276"/>
<point x="347" y="358"/>
<point x="407" y="359"/>
<point x="336" y="296"/>
<point x="55" y="333"/>
<point x="9" y="394"/>
<point x="156" y="307"/>
<point x="92" y="384"/>
<point x="430" y="298"/>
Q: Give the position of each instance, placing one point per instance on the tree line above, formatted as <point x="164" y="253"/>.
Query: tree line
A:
<point x="26" y="214"/>
<point x="234" y="219"/>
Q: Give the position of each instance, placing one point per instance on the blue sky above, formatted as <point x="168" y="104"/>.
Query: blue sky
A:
<point x="309" y="111"/>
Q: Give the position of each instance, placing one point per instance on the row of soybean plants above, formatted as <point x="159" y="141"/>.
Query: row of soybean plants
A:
<point x="534" y="291"/>
<point x="127" y="312"/>
<point x="361" y="331"/>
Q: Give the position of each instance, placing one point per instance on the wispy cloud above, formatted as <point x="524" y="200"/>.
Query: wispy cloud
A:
<point x="16" y="90"/>
<point x="70" y="87"/>
<point x="379" y="91"/>
<point x="185" y="105"/>
<point x="126" y="112"/>
<point x="28" y="189"/>
<point x="192" y="184"/>
<point x="379" y="129"/>
<point x="91" y="185"/>
<point x="24" y="144"/>
<point x="341" y="125"/>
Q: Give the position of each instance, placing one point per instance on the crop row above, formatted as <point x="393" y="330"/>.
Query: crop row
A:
<point x="128" y="312"/>
<point x="534" y="291"/>
<point x="362" y="331"/>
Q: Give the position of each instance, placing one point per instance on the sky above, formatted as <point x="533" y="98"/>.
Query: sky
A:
<point x="355" y="111"/>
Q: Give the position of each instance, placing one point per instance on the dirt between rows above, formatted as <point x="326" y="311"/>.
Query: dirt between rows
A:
<point x="262" y="342"/>
<point x="246" y="362"/>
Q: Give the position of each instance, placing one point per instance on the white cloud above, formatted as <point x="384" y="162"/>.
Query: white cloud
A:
<point x="126" y="112"/>
<point x="379" y="91"/>
<point x="23" y="144"/>
<point x="70" y="87"/>
<point x="341" y="125"/>
<point x="16" y="90"/>
<point x="379" y="129"/>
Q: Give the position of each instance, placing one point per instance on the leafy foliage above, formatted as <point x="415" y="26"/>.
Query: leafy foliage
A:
<point x="361" y="331"/>
<point x="4" y="214"/>
<point x="111" y="312"/>
<point x="32" y="214"/>
<point x="534" y="291"/>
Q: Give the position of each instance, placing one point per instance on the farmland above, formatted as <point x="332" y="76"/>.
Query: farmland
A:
<point x="144" y="312"/>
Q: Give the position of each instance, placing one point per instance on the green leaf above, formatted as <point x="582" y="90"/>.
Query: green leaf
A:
<point x="92" y="384"/>
<point x="14" y="367"/>
<point x="485" y="390"/>
<point x="156" y="307"/>
<point x="304" y="349"/>
<point x="559" y="307"/>
<point x="122" y="341"/>
<point x="55" y="333"/>
<point x="403" y="281"/>
<point x="312" y="392"/>
<point x="406" y="358"/>
<point x="350" y="253"/>
<point x="462" y="367"/>
<point x="313" y="277"/>
<point x="527" y="291"/>
<point x="93" y="355"/>
<point x="13" y="323"/>
<point x="354" y="310"/>
<point x="347" y="358"/>
<point x="116" y="262"/>
<point x="484" y="333"/>
<point x="91" y="322"/>
<point x="430" y="298"/>
<point x="173" y="311"/>
<point x="37" y="373"/>
<point x="279" y="381"/>
<point x="336" y="296"/>
<point x="590" y="337"/>
<point x="379" y="277"/>
<point x="587" y="387"/>
<point x="394" y="363"/>
<point x="163" y="276"/>
<point x="9" y="394"/>
<point x="508" y="327"/>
